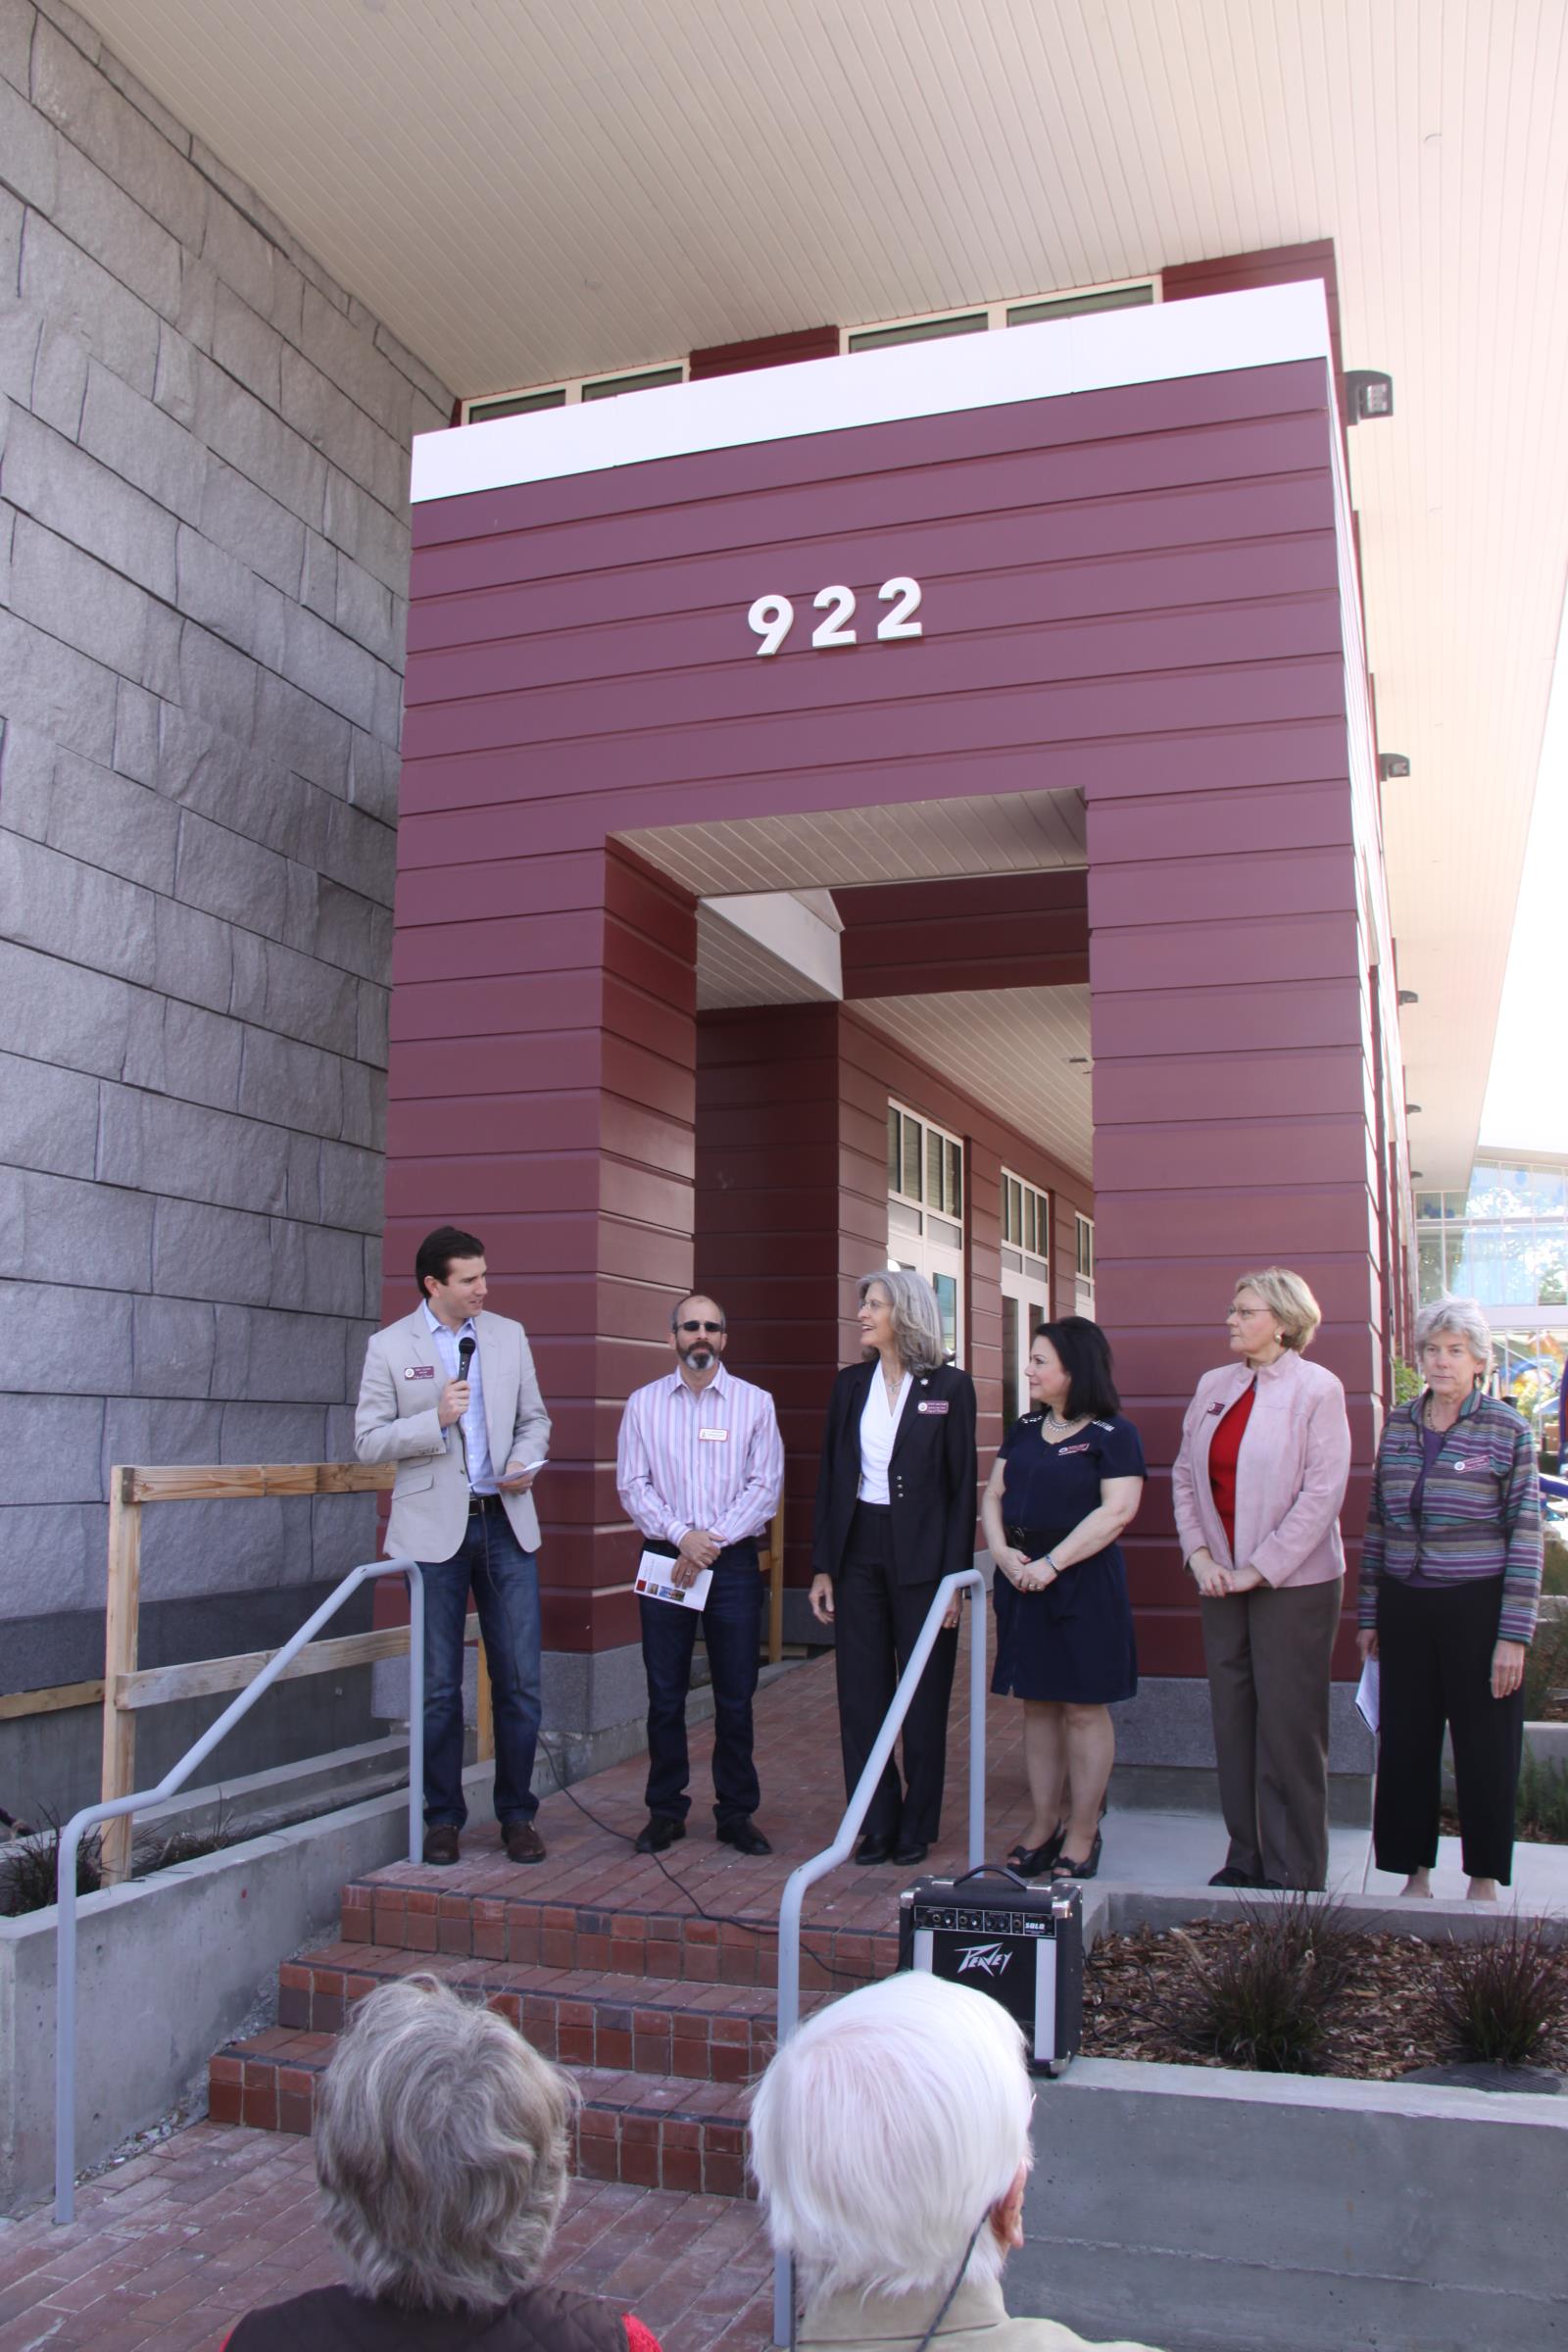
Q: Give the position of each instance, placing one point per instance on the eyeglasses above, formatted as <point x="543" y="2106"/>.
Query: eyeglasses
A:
<point x="711" y="1328"/>
<point x="1243" y="1315"/>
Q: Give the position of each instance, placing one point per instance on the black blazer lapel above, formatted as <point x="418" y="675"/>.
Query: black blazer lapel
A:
<point x="919" y="1387"/>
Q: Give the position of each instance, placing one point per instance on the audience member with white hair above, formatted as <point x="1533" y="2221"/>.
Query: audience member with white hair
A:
<point x="442" y="2147"/>
<point x="890" y="2140"/>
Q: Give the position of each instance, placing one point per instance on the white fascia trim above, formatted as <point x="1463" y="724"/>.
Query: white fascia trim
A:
<point x="1263" y="327"/>
<point x="790" y="931"/>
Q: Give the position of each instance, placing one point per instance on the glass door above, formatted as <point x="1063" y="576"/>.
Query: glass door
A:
<point x="925" y="1214"/>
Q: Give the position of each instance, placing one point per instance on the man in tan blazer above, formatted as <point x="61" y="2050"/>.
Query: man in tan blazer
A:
<point x="449" y="1394"/>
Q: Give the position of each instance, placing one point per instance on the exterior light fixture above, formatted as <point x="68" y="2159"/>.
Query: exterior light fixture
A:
<point x="1409" y="996"/>
<point x="1416" y="1175"/>
<point x="1392" y="765"/>
<point x="1368" y="394"/>
<point x="1413" y="1111"/>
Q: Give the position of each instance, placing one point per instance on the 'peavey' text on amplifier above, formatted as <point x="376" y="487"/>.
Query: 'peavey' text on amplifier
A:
<point x="1021" y="1943"/>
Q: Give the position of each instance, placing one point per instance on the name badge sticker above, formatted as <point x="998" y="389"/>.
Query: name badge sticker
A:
<point x="713" y="1437"/>
<point x="419" y="1372"/>
<point x="934" y="1405"/>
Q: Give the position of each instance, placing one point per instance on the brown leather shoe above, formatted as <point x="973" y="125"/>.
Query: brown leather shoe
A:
<point x="441" y="1843"/>
<point x="522" y="1842"/>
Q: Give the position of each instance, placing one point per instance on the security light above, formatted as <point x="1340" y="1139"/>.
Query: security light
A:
<point x="1409" y="996"/>
<point x="1368" y="394"/>
<point x="1393" y="764"/>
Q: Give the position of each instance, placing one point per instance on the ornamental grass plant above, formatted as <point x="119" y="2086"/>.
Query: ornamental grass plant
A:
<point x="1500" y="1996"/>
<point x="1263" y="2000"/>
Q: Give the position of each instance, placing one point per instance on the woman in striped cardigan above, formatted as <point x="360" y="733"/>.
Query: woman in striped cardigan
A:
<point x="1450" y="1583"/>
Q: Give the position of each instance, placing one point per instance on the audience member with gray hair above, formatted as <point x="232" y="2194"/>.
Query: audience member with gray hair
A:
<point x="890" y="2140"/>
<point x="1450" y="1585"/>
<point x="442" y="2147"/>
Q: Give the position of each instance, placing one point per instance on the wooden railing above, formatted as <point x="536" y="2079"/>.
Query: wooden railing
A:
<point x="128" y="1686"/>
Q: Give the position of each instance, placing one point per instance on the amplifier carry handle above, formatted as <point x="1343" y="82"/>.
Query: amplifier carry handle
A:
<point x="989" y="1870"/>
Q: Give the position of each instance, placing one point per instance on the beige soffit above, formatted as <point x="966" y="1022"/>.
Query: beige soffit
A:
<point x="526" y="191"/>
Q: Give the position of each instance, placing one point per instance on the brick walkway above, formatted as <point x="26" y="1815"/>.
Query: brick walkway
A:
<point x="177" y="2245"/>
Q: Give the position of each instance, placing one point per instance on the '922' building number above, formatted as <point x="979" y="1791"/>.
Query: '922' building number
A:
<point x="774" y="616"/>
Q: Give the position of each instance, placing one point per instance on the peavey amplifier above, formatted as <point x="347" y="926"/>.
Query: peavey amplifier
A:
<point x="1024" y="1944"/>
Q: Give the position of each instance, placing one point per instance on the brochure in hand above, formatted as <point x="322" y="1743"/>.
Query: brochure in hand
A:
<point x="655" y="1584"/>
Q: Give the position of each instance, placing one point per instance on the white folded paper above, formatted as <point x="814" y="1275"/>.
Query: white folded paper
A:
<point x="1368" y="1692"/>
<point x="654" y="1582"/>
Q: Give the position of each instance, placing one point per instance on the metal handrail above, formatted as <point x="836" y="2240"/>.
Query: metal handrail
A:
<point x="175" y="1779"/>
<point x="789" y="1911"/>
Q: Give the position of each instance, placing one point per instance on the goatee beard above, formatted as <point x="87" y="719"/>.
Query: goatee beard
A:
<point x="699" y="1358"/>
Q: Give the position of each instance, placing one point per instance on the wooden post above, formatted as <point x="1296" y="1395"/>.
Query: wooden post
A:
<point x="775" y="1586"/>
<point x="119" y="1658"/>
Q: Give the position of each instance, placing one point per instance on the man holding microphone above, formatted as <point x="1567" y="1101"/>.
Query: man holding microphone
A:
<point x="698" y="1469"/>
<point x="449" y="1394"/>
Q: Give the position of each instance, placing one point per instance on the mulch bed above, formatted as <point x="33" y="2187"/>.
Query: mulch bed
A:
<point x="1137" y="1988"/>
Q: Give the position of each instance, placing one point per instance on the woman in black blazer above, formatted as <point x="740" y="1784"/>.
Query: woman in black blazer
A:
<point x="895" y="1514"/>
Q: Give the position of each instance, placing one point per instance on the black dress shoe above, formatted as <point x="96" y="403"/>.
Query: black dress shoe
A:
<point x="911" y="1851"/>
<point x="1033" y="1861"/>
<point x="657" y="1832"/>
<point x="743" y="1834"/>
<point x="1230" y="1876"/>
<point x="1068" y="1868"/>
<point x="872" y="1850"/>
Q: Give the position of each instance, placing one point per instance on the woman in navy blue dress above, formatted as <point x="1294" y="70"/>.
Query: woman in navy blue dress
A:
<point x="1066" y="1482"/>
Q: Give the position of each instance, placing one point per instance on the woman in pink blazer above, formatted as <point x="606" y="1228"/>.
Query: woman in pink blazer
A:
<point x="1258" y="1487"/>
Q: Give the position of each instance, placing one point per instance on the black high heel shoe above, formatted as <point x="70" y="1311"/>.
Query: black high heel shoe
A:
<point x="1033" y="1861"/>
<point x="1068" y="1868"/>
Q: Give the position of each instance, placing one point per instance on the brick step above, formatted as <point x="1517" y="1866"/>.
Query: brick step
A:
<point x="647" y="2130"/>
<point x="647" y="2025"/>
<point x="403" y="1915"/>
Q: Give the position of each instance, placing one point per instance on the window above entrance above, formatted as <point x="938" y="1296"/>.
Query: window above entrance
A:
<point x="983" y="316"/>
<point x="925" y="1213"/>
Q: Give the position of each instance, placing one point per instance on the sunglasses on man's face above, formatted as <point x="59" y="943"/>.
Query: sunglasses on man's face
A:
<point x="713" y="1328"/>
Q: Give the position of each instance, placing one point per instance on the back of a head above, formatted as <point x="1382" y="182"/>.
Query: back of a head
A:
<point x="885" y="2131"/>
<point x="441" y="2145"/>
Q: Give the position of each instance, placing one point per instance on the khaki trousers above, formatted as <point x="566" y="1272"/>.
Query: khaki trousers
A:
<point x="1268" y="1653"/>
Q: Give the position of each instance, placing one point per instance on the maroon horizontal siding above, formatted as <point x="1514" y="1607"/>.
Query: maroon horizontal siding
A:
<point x="992" y="931"/>
<point x="764" y="350"/>
<point x="1129" y="593"/>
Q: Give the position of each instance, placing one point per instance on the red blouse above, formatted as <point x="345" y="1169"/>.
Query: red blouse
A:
<point x="1223" y="1450"/>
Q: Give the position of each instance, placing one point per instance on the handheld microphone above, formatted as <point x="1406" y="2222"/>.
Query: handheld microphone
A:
<point x="465" y="1348"/>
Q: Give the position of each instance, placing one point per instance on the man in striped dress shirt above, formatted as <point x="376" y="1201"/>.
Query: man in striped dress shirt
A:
<point x="698" y="1469"/>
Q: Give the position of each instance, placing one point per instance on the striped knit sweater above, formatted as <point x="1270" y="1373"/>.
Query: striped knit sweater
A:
<point x="1479" y="1511"/>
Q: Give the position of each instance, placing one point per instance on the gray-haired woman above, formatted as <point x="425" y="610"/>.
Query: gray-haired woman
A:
<point x="895" y="1514"/>
<point x="1451" y="1584"/>
<point x="442" y="2145"/>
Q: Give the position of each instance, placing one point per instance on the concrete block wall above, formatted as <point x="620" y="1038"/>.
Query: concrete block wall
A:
<point x="203" y="570"/>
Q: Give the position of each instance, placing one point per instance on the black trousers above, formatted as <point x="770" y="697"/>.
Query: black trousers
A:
<point x="1434" y="1646"/>
<point x="877" y="1624"/>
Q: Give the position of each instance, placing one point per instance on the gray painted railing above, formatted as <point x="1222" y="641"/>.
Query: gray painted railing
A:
<point x="90" y="1815"/>
<point x="789" y="1915"/>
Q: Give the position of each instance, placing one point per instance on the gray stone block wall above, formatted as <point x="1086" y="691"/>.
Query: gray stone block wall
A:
<point x="202" y="571"/>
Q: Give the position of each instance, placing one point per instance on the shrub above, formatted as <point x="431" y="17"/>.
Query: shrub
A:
<point x="1541" y="1803"/>
<point x="30" y="1870"/>
<point x="1500" y="1996"/>
<point x="1545" y="1667"/>
<point x="1262" y="1999"/>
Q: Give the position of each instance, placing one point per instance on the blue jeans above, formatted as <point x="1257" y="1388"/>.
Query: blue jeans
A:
<point x="506" y="1591"/>
<point x="732" y="1629"/>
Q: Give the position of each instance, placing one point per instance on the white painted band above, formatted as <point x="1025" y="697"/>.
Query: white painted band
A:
<point x="1261" y="327"/>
